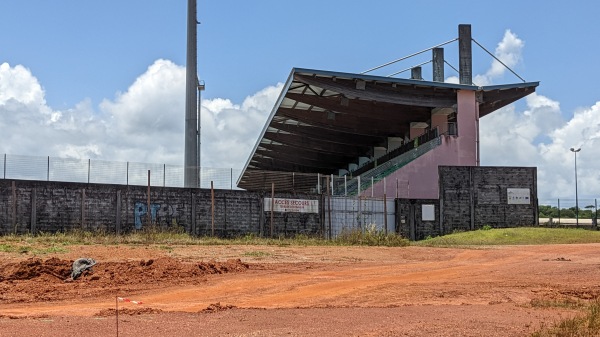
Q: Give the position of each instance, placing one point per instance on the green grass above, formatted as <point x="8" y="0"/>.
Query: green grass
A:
<point x="585" y="324"/>
<point x="167" y="238"/>
<point x="513" y="236"/>
<point x="44" y="243"/>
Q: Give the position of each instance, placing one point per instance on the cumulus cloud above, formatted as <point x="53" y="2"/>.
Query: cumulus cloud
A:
<point x="540" y="136"/>
<point x="509" y="51"/>
<point x="143" y="124"/>
<point x="229" y="131"/>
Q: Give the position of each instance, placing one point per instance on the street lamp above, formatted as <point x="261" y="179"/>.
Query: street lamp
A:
<point x="576" y="203"/>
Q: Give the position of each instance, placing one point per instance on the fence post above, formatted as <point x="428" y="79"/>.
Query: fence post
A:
<point x="318" y="183"/>
<point x="118" y="215"/>
<point x="127" y="174"/>
<point x="385" y="213"/>
<point x="231" y="178"/>
<point x="14" y="206"/>
<point x="272" y="207"/>
<point x="164" y="174"/>
<point x="193" y="227"/>
<point x="329" y="208"/>
<point x="149" y="211"/>
<point x="83" y="208"/>
<point x="48" y="170"/>
<point x="5" y="166"/>
<point x="89" y="168"/>
<point x="559" y="211"/>
<point x="33" y="210"/>
<point x="212" y="209"/>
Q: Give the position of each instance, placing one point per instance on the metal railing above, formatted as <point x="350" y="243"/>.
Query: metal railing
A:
<point x="109" y="172"/>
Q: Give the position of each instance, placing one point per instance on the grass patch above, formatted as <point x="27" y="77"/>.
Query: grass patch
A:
<point x="566" y="303"/>
<point x="586" y="324"/>
<point x="7" y="248"/>
<point x="166" y="238"/>
<point x="371" y="236"/>
<point x="513" y="236"/>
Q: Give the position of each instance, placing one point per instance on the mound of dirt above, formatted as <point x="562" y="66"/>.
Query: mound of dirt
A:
<point x="127" y="311"/>
<point x="35" y="267"/>
<point x="217" y="307"/>
<point x="36" y="279"/>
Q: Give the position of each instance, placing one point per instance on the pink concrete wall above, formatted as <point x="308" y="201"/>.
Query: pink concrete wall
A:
<point x="419" y="178"/>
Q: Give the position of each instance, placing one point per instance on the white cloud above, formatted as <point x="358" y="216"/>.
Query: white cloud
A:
<point x="509" y="51"/>
<point x="145" y="124"/>
<point x="229" y="131"/>
<point x="539" y="136"/>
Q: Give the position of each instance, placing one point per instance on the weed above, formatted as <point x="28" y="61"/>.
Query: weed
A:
<point x="557" y="303"/>
<point x="586" y="324"/>
<point x="371" y="236"/>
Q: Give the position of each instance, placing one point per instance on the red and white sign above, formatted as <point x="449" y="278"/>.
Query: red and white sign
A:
<point x="292" y="205"/>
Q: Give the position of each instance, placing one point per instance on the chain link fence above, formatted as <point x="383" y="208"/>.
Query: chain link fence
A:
<point x="568" y="211"/>
<point x="109" y="172"/>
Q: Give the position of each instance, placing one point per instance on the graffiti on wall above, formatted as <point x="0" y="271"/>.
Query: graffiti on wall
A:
<point x="163" y="214"/>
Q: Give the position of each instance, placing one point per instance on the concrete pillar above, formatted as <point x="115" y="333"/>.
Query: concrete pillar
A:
<point x="379" y="151"/>
<point x="394" y="142"/>
<point x="438" y="64"/>
<point x="417" y="129"/>
<point x="467" y="118"/>
<point x="465" y="57"/>
<point x="415" y="73"/>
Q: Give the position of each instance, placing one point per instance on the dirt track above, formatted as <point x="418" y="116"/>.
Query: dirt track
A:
<point x="296" y="291"/>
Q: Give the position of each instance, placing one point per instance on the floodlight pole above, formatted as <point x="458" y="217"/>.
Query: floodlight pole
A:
<point x="576" y="197"/>
<point x="191" y="156"/>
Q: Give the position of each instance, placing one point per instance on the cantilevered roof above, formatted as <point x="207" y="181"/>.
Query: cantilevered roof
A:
<point x="324" y="120"/>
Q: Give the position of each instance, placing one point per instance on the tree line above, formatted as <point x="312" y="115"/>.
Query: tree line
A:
<point x="588" y="212"/>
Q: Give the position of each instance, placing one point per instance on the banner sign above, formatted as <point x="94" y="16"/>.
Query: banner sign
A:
<point x="518" y="196"/>
<point x="293" y="205"/>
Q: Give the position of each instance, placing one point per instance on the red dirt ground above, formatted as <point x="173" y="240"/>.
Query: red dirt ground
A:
<point x="295" y="291"/>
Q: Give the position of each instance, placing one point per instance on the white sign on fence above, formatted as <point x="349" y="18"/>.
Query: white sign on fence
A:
<point x="519" y="196"/>
<point x="292" y="205"/>
<point x="428" y="212"/>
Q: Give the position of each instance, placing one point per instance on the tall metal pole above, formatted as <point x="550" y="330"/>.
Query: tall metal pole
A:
<point x="191" y="174"/>
<point x="576" y="198"/>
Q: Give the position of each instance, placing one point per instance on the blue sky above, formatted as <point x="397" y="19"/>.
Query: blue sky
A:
<point x="89" y="66"/>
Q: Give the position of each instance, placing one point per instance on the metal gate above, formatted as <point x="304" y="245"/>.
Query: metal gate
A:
<point x="358" y="213"/>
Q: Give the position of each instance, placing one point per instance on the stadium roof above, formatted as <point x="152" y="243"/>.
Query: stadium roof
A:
<point x="324" y="120"/>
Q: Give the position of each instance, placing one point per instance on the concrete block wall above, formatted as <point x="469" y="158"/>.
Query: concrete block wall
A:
<point x="475" y="196"/>
<point x="40" y="206"/>
<point x="409" y="218"/>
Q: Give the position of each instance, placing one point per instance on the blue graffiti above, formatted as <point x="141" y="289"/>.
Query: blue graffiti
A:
<point x="141" y="210"/>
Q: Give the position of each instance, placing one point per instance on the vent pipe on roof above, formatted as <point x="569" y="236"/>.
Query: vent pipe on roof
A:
<point x="465" y="65"/>
<point x="438" y="64"/>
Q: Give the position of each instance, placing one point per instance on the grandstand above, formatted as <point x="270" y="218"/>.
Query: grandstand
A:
<point x="375" y="127"/>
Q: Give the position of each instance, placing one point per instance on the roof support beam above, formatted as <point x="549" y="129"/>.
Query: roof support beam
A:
<point x="321" y="146"/>
<point x="379" y="93"/>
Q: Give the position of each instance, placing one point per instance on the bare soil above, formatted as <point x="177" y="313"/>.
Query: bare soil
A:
<point x="295" y="291"/>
